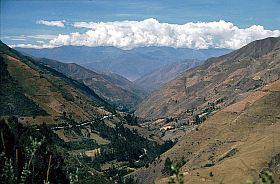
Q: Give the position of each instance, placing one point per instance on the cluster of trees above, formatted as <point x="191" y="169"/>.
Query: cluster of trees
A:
<point x="173" y="168"/>
<point x="131" y="119"/>
<point x="127" y="145"/>
<point x="37" y="155"/>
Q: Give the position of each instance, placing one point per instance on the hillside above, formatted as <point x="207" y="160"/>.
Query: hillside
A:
<point x="117" y="90"/>
<point x="40" y="94"/>
<point x="58" y="124"/>
<point x="131" y="64"/>
<point x="233" y="146"/>
<point x="162" y="75"/>
<point x="222" y="80"/>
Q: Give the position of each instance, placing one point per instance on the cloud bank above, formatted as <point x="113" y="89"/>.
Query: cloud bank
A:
<point x="150" y="32"/>
<point x="57" y="23"/>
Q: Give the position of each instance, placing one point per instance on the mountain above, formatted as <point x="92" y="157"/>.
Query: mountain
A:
<point x="54" y="128"/>
<point x="131" y="64"/>
<point x="114" y="88"/>
<point x="221" y="80"/>
<point x="164" y="74"/>
<point x="235" y="145"/>
<point x="41" y="94"/>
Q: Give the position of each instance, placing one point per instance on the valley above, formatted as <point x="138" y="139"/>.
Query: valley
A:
<point x="71" y="121"/>
<point x="139" y="92"/>
<point x="218" y="119"/>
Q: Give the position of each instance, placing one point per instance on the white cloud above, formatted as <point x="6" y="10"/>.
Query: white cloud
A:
<point x="57" y="23"/>
<point x="16" y="38"/>
<point x="27" y="37"/>
<point x="150" y="32"/>
<point x="32" y="46"/>
<point x="42" y="37"/>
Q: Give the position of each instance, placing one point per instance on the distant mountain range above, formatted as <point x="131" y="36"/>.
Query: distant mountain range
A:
<point x="131" y="64"/>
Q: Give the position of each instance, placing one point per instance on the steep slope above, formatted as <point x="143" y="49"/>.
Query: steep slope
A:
<point x="162" y="75"/>
<point x="79" y="131"/>
<point x="224" y="79"/>
<point x="40" y="94"/>
<point x="131" y="64"/>
<point x="233" y="146"/>
<point x="119" y="91"/>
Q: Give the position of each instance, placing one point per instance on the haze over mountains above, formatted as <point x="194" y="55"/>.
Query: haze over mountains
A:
<point x="132" y="64"/>
<point x="164" y="74"/>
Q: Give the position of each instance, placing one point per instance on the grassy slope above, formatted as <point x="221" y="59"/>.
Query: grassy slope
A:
<point x="252" y="130"/>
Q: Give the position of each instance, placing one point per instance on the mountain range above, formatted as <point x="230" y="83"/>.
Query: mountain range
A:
<point x="59" y="124"/>
<point x="217" y="120"/>
<point x="234" y="135"/>
<point x="131" y="64"/>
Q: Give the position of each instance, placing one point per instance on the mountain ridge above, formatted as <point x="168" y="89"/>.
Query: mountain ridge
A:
<point x="119" y="91"/>
<point x="50" y="90"/>
<point x="225" y="77"/>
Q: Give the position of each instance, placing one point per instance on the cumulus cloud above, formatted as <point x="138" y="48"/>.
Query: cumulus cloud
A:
<point x="57" y="23"/>
<point x="150" y="32"/>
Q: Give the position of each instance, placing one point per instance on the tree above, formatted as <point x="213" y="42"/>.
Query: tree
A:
<point x="167" y="167"/>
<point x="176" y="172"/>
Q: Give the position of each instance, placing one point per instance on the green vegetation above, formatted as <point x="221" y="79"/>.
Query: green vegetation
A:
<point x="131" y="119"/>
<point x="264" y="178"/>
<point x="175" y="170"/>
<point x="167" y="171"/>
<point x="26" y="158"/>
<point x="39" y="158"/>
<point x="125" y="146"/>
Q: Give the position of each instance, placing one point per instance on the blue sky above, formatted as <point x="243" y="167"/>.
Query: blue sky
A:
<point x="20" y="18"/>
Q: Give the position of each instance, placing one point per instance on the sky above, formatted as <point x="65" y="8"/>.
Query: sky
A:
<point x="133" y="23"/>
